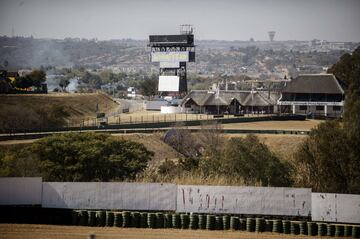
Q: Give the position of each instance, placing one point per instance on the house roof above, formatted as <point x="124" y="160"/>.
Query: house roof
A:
<point x="315" y="84"/>
<point x="245" y="98"/>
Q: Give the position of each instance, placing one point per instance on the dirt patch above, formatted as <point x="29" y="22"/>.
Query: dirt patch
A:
<point x="275" y="125"/>
<point x="20" y="231"/>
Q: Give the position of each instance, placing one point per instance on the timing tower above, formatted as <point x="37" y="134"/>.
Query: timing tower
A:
<point x="173" y="52"/>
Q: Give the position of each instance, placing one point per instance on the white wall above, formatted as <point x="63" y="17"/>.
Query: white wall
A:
<point x="20" y="191"/>
<point x="170" y="110"/>
<point x="125" y="196"/>
<point x="332" y="207"/>
<point x="244" y="200"/>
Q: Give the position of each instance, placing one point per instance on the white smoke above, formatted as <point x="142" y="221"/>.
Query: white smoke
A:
<point x="72" y="87"/>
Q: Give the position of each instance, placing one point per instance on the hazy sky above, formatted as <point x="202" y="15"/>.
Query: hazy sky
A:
<point x="334" y="20"/>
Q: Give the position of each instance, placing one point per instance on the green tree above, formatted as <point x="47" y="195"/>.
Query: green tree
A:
<point x="251" y="160"/>
<point x="89" y="157"/>
<point x="329" y="160"/>
<point x="149" y="87"/>
<point x="64" y="82"/>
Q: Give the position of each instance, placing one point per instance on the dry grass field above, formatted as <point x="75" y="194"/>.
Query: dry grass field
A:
<point x="21" y="231"/>
<point x="276" y="125"/>
<point x="25" y="109"/>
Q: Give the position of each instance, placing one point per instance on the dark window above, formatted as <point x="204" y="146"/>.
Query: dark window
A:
<point x="303" y="107"/>
<point x="336" y="108"/>
<point x="319" y="107"/>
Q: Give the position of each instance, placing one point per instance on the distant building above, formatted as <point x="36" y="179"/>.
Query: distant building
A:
<point x="229" y="102"/>
<point x="318" y="94"/>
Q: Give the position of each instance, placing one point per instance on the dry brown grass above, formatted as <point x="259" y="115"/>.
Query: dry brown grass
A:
<point x="20" y="231"/>
<point x="276" y="125"/>
<point x="24" y="108"/>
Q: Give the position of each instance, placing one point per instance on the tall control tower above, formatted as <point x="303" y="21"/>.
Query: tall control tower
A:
<point x="173" y="52"/>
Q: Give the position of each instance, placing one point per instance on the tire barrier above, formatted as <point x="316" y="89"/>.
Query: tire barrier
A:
<point x="209" y="222"/>
<point x="159" y="220"/>
<point x="303" y="228"/>
<point x="101" y="218"/>
<point x="184" y="218"/>
<point x="83" y="220"/>
<point x="277" y="226"/>
<point x="339" y="230"/>
<point x="126" y="219"/>
<point x="135" y="219"/>
<point x="176" y="223"/>
<point x="242" y="224"/>
<point x="167" y="220"/>
<point x="250" y="224"/>
<point x="347" y="230"/>
<point x="218" y="223"/>
<point x="194" y="221"/>
<point x="143" y="220"/>
<point x="109" y="219"/>
<point x="202" y="222"/>
<point x="330" y="230"/>
<point x="74" y="217"/>
<point x="92" y="218"/>
<point x="269" y="225"/>
<point x="294" y="228"/>
<point x="234" y="223"/>
<point x="322" y="229"/>
<point x="260" y="225"/>
<point x="118" y="222"/>
<point x="151" y="220"/>
<point x="355" y="232"/>
<point x="312" y="228"/>
<point x="286" y="226"/>
<point x="226" y="222"/>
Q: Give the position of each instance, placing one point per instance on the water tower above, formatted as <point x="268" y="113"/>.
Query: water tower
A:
<point x="173" y="52"/>
<point x="271" y="35"/>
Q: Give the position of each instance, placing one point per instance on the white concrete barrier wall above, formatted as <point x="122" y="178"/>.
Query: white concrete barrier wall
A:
<point x="124" y="196"/>
<point x="20" y="191"/>
<point x="332" y="207"/>
<point x="244" y="200"/>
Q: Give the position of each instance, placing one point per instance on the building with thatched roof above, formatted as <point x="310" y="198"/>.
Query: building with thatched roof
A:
<point x="318" y="94"/>
<point x="230" y="102"/>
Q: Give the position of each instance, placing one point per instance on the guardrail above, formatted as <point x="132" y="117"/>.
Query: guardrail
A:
<point x="151" y="127"/>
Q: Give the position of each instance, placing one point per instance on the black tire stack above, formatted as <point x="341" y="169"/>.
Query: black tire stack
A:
<point x="269" y="225"/>
<point x="260" y="225"/>
<point x="151" y="220"/>
<point x="339" y="230"/>
<point x="167" y="220"/>
<point x="202" y="221"/>
<point x="347" y="230"/>
<point x="226" y="222"/>
<point x="312" y="228"/>
<point x="218" y="223"/>
<point x="294" y="228"/>
<point x="303" y="228"/>
<point x="176" y="222"/>
<point x="210" y="222"/>
<point x="135" y="219"/>
<point x="83" y="220"/>
<point x="277" y="226"/>
<point x="194" y="221"/>
<point x="330" y="230"/>
<point x="250" y="224"/>
<point x="118" y="219"/>
<point x="101" y="218"/>
<point x="322" y="229"/>
<point x="286" y="226"/>
<point x="126" y="219"/>
<point x="143" y="220"/>
<point x="234" y="223"/>
<point x="184" y="218"/>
